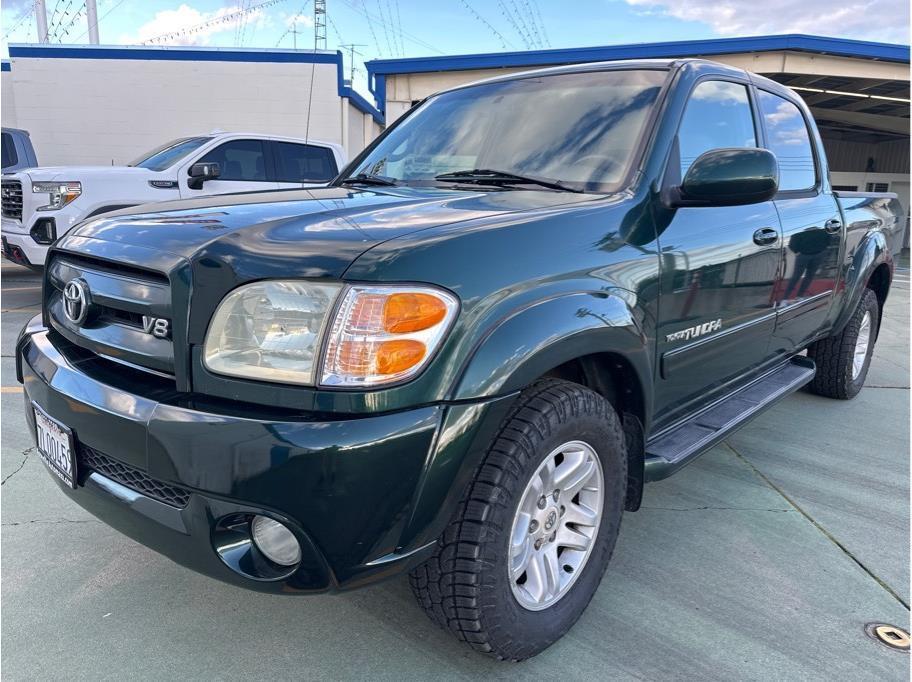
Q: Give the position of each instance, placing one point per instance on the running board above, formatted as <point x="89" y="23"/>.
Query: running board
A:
<point x="671" y="450"/>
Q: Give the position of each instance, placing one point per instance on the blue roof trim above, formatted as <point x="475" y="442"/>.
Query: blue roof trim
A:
<point x="681" y="48"/>
<point x="167" y="53"/>
<point x="378" y="69"/>
<point x="198" y="54"/>
<point x="5" y="65"/>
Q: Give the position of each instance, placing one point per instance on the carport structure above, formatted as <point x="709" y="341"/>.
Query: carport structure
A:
<point x="857" y="90"/>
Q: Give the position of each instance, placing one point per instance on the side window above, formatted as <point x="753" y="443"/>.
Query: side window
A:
<point x="304" y="163"/>
<point x="239" y="160"/>
<point x="718" y="115"/>
<point x="789" y="140"/>
<point x="10" y="157"/>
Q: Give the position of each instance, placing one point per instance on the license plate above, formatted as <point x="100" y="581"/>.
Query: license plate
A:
<point x="55" y="445"/>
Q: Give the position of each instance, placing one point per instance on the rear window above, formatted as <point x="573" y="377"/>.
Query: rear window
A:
<point x="10" y="157"/>
<point x="304" y="163"/>
<point x="788" y="138"/>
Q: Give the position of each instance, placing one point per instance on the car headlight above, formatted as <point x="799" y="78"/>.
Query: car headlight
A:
<point x="270" y="330"/>
<point x="60" y="193"/>
<point x="280" y="330"/>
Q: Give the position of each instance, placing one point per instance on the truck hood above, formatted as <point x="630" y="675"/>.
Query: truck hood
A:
<point x="296" y="233"/>
<point x="82" y="173"/>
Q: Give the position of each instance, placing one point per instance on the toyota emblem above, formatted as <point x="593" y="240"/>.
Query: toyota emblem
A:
<point x="76" y="301"/>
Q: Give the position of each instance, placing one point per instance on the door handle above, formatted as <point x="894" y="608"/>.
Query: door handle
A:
<point x="832" y="225"/>
<point x="765" y="236"/>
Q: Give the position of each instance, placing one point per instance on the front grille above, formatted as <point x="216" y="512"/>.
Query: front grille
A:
<point x="11" y="199"/>
<point x="117" y="296"/>
<point x="132" y="478"/>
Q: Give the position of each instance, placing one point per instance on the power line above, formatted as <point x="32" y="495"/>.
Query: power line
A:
<point x="224" y="19"/>
<point x="503" y="41"/>
<point x="105" y="16"/>
<point x="505" y="11"/>
<point x="363" y="11"/>
<point x="541" y="22"/>
<point x="22" y="18"/>
<point x="370" y="25"/>
<point x="399" y="30"/>
<point x="292" y="27"/>
<point x="386" y="33"/>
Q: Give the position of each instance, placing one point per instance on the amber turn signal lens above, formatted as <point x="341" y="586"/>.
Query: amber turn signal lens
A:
<point x="412" y="312"/>
<point x="399" y="355"/>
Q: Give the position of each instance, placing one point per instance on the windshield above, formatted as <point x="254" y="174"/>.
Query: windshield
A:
<point x="580" y="129"/>
<point x="168" y="154"/>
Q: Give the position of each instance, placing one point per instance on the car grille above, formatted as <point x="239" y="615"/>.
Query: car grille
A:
<point x="11" y="199"/>
<point x="132" y="478"/>
<point x="119" y="296"/>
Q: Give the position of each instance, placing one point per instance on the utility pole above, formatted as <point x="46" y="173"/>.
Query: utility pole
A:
<point x="92" y="21"/>
<point x="350" y="47"/>
<point x="41" y="19"/>
<point x="319" y="24"/>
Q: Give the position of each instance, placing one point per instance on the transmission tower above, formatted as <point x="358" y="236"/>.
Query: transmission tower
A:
<point x="319" y="24"/>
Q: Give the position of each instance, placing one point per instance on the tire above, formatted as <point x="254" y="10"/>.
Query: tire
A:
<point x="838" y="376"/>
<point x="466" y="586"/>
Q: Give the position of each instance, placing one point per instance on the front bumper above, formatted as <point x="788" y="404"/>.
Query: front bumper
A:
<point x="366" y="497"/>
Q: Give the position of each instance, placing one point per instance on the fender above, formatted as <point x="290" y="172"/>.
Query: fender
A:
<point x="871" y="252"/>
<point x="535" y="339"/>
<point x="519" y="349"/>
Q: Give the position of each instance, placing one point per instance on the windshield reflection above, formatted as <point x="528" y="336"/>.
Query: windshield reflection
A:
<point x="581" y="129"/>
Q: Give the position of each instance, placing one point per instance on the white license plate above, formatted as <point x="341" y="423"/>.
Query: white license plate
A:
<point x="55" y="445"/>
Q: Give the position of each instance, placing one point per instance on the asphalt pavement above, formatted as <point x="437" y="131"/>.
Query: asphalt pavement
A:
<point x="765" y="559"/>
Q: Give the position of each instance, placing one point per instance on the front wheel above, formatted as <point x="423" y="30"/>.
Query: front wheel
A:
<point x="533" y="534"/>
<point x="843" y="360"/>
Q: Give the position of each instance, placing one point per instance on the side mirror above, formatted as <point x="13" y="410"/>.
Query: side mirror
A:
<point x="200" y="172"/>
<point x="729" y="177"/>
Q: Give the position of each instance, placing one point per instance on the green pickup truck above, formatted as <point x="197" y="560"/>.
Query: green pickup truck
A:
<point x="465" y="357"/>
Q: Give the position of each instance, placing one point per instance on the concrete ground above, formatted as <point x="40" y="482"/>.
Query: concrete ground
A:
<point x="763" y="560"/>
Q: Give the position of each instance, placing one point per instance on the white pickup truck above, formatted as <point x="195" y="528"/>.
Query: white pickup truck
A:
<point x="39" y="205"/>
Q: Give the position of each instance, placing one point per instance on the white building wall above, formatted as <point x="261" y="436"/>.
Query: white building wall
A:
<point x="7" y="99"/>
<point x="103" y="111"/>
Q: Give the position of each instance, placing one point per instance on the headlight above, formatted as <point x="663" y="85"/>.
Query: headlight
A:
<point x="275" y="331"/>
<point x="59" y="193"/>
<point x="270" y="330"/>
<point x="385" y="334"/>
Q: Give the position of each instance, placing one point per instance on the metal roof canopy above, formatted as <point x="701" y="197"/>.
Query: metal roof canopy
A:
<point x="858" y="90"/>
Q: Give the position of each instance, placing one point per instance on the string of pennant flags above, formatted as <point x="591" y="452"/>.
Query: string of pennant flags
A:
<point x="224" y="19"/>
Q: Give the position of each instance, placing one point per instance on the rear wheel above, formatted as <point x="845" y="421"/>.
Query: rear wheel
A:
<point x="533" y="534"/>
<point x="843" y="360"/>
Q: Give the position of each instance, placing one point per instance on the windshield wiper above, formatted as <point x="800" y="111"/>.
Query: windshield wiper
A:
<point x="369" y="179"/>
<point x="497" y="177"/>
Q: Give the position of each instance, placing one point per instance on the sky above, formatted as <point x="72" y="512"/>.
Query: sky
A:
<point x="415" y="28"/>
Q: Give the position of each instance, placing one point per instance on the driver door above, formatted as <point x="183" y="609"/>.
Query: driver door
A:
<point x="718" y="266"/>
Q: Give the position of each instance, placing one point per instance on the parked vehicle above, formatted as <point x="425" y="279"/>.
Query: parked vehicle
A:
<point x="18" y="152"/>
<point x="43" y="204"/>
<point x="466" y="356"/>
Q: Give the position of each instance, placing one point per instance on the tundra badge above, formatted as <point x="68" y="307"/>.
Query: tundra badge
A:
<point x="694" y="332"/>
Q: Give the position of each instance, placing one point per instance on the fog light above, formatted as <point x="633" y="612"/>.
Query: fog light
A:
<point x="275" y="541"/>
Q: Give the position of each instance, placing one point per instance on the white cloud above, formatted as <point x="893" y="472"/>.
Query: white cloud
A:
<point x="300" y="19"/>
<point x="189" y="18"/>
<point x="880" y="20"/>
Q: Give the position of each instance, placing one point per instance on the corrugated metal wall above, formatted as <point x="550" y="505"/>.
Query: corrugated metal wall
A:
<point x="889" y="157"/>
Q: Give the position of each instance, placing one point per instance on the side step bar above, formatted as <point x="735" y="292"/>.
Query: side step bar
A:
<point x="671" y="450"/>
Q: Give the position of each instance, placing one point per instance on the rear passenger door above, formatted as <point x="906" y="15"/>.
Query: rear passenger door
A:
<point x="719" y="265"/>
<point x="303" y="164"/>
<point x="811" y="225"/>
<point x="244" y="166"/>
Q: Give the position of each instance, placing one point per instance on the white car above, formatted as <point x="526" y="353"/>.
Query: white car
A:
<point x="39" y="205"/>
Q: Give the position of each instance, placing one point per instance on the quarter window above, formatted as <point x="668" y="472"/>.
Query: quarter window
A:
<point x="304" y="163"/>
<point x="239" y="160"/>
<point x="789" y="140"/>
<point x="718" y="115"/>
